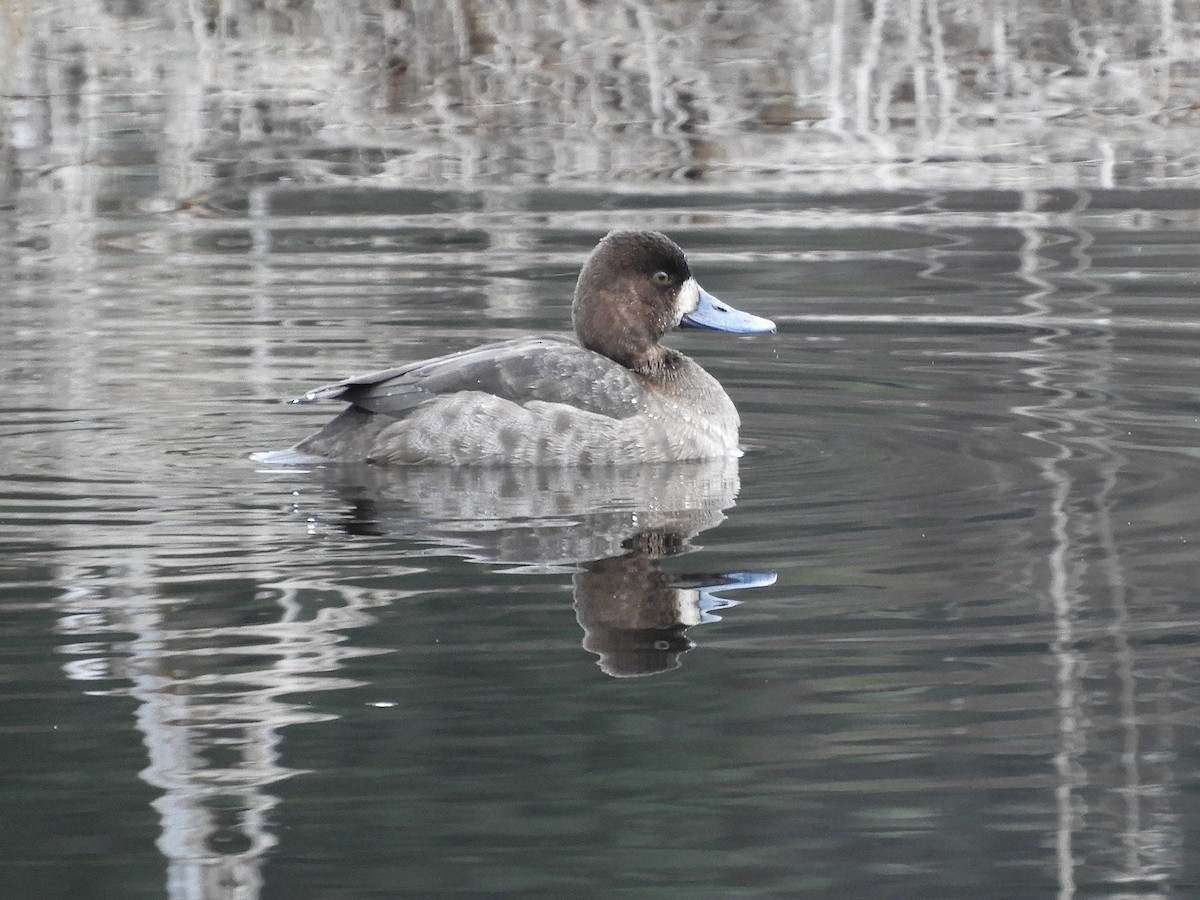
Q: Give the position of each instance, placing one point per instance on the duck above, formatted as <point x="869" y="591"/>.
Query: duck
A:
<point x="613" y="395"/>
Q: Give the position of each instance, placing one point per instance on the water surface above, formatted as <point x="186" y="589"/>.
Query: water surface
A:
<point x="933" y="635"/>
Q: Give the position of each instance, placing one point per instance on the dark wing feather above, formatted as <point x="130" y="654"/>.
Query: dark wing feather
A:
<point x="547" y="369"/>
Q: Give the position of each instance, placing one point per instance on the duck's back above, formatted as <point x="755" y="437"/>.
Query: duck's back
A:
<point x="535" y="401"/>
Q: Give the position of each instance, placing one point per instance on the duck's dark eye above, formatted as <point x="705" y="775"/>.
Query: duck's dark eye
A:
<point x="661" y="278"/>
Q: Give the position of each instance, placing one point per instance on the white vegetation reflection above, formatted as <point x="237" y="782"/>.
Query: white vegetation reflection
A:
<point x="213" y="695"/>
<point x="1073" y="368"/>
<point x="883" y="93"/>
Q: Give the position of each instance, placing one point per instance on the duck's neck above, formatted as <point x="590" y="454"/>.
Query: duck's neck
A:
<point x="656" y="362"/>
<point x="631" y="347"/>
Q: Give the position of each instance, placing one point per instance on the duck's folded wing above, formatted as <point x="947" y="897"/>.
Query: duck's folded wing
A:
<point x="543" y="369"/>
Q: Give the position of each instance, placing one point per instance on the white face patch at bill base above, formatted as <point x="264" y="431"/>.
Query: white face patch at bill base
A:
<point x="687" y="300"/>
<point x="687" y="607"/>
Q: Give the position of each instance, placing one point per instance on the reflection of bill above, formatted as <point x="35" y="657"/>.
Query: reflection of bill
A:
<point x="610" y="527"/>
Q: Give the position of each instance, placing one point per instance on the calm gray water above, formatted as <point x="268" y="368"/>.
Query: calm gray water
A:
<point x="935" y="635"/>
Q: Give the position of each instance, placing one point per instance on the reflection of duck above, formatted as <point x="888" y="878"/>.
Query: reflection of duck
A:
<point x="616" y="396"/>
<point x="634" y="615"/>
<point x="610" y="527"/>
<point x="543" y="517"/>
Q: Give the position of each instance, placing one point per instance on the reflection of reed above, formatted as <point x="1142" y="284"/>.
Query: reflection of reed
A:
<point x="462" y="91"/>
<point x="213" y="693"/>
<point x="1087" y="584"/>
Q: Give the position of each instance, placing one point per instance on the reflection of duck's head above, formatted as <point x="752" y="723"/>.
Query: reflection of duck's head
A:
<point x="615" y="397"/>
<point x="632" y="616"/>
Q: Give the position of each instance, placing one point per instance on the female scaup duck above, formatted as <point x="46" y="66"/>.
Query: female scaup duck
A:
<point x="620" y="397"/>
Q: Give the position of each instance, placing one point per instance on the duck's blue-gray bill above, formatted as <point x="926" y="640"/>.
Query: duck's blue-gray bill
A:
<point x="712" y="313"/>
